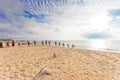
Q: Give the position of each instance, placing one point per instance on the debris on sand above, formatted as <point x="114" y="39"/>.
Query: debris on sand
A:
<point x="42" y="73"/>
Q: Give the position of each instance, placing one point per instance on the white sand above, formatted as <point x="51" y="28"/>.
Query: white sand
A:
<point x="23" y="63"/>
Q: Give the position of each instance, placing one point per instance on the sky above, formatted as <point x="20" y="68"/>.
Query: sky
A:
<point x="60" y="19"/>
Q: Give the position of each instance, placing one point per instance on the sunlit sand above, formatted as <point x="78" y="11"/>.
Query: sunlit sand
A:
<point x="23" y="63"/>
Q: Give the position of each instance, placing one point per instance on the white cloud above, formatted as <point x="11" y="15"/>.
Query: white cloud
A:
<point x="11" y="8"/>
<point x="69" y="20"/>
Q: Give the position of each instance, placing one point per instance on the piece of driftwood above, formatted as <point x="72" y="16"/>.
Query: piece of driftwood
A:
<point x="41" y="74"/>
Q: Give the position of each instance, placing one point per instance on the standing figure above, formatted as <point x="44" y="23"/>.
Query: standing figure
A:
<point x="49" y="43"/>
<point x="28" y="43"/>
<point x="73" y="46"/>
<point x="18" y="43"/>
<point x="63" y="44"/>
<point x="46" y="42"/>
<point x="35" y="43"/>
<point x="42" y="43"/>
<point x="55" y="43"/>
<point x="59" y="43"/>
<point x="7" y="44"/>
<point x="13" y="43"/>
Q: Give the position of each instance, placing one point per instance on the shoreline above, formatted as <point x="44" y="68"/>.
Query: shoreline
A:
<point x="40" y="44"/>
<point x="32" y="45"/>
<point x="24" y="43"/>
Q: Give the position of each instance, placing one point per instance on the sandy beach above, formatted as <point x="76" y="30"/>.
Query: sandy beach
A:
<point x="23" y="63"/>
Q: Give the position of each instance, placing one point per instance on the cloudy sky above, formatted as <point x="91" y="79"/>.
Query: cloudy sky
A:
<point x="60" y="19"/>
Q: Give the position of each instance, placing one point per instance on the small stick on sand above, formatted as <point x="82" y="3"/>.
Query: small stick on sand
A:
<point x="54" y="55"/>
<point x="38" y="74"/>
<point x="43" y="72"/>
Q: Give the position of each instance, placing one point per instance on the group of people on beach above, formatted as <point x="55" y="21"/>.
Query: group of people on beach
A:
<point x="8" y="44"/>
<point x="56" y="43"/>
<point x="12" y="43"/>
<point x="34" y="42"/>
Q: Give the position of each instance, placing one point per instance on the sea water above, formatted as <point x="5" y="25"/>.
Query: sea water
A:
<point x="109" y="45"/>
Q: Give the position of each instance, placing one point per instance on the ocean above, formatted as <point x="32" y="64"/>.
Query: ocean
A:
<point x="104" y="45"/>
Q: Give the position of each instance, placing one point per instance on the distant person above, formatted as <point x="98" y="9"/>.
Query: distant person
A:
<point x="18" y="43"/>
<point x="46" y="42"/>
<point x="42" y="43"/>
<point x="49" y="43"/>
<point x="63" y="44"/>
<point x="73" y="46"/>
<point x="35" y="43"/>
<point x="55" y="43"/>
<point x="1" y="45"/>
<point x="7" y="44"/>
<point x="59" y="43"/>
<point x="13" y="43"/>
<point x="28" y="43"/>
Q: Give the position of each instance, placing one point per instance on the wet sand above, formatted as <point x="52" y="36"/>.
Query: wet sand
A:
<point x="23" y="63"/>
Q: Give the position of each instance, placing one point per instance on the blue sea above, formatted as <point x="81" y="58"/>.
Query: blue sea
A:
<point x="107" y="45"/>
